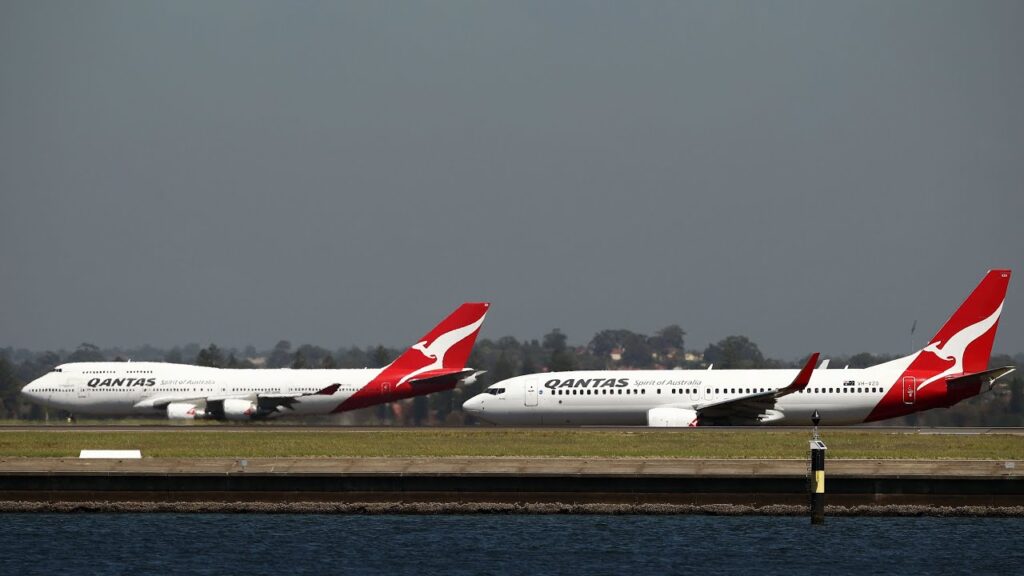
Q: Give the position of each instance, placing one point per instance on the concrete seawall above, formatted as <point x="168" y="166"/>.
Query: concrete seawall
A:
<point x="534" y="481"/>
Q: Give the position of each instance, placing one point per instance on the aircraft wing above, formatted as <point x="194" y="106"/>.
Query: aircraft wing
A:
<point x="268" y="401"/>
<point x="160" y="402"/>
<point x="748" y="409"/>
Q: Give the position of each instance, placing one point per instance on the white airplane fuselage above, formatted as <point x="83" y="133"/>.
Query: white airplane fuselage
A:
<point x="125" y="389"/>
<point x="841" y="397"/>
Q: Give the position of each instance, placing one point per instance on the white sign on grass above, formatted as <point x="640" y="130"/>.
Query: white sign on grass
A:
<point x="110" y="454"/>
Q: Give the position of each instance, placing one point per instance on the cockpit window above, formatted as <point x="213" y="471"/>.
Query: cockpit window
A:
<point x="495" y="391"/>
<point x="56" y="370"/>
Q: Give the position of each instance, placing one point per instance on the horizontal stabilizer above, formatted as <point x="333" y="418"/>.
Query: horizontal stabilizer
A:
<point x="987" y="377"/>
<point x="442" y="375"/>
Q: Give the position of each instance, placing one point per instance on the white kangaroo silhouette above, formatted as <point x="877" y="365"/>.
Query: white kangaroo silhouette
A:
<point x="954" y="348"/>
<point x="439" y="347"/>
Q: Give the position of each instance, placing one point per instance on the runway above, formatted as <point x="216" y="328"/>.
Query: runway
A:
<point x="285" y="428"/>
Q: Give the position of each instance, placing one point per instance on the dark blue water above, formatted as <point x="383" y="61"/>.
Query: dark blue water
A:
<point x="592" y="545"/>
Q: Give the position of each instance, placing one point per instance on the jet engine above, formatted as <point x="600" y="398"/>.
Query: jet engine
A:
<point x="181" y="411"/>
<point x="239" y="409"/>
<point x="671" y="417"/>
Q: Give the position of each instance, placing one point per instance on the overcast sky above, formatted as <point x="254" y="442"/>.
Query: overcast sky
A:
<point x="814" y="175"/>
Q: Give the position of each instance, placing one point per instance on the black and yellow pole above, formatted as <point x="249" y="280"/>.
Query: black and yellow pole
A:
<point x="817" y="483"/>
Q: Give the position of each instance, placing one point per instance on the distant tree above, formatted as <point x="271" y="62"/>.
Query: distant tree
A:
<point x="668" y="339"/>
<point x="281" y="355"/>
<point x="560" y="358"/>
<point x="528" y="366"/>
<point x="502" y="368"/>
<point x="190" y="352"/>
<point x="420" y="410"/>
<point x="602" y="344"/>
<point x="734" y="352"/>
<point x="380" y="357"/>
<point x="174" y="356"/>
<point x="636" y="351"/>
<point x="9" y="388"/>
<point x="233" y="362"/>
<point x="328" y="362"/>
<point x="299" y="360"/>
<point x="863" y="360"/>
<point x="555" y="341"/>
<point x="507" y="343"/>
<point x="86" y="352"/>
<point x="210" y="356"/>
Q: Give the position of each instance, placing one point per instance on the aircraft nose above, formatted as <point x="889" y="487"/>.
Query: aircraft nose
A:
<point x="474" y="405"/>
<point x="30" y="392"/>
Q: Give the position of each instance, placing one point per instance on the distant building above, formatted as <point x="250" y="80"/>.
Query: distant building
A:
<point x="616" y="354"/>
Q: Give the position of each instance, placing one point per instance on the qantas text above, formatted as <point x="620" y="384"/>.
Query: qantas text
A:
<point x="122" y="382"/>
<point x="587" y="382"/>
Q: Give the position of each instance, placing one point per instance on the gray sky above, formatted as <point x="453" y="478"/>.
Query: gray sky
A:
<point x="814" y="175"/>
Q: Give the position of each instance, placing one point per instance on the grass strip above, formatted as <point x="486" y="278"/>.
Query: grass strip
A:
<point x="512" y="443"/>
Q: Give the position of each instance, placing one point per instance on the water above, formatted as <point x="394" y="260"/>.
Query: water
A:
<point x="592" y="545"/>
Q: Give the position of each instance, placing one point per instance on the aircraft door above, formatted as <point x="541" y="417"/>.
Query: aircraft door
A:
<point x="530" y="392"/>
<point x="909" y="389"/>
<point x="79" y="385"/>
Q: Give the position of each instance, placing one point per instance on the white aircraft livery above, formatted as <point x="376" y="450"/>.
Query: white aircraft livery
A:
<point x="437" y="362"/>
<point x="952" y="367"/>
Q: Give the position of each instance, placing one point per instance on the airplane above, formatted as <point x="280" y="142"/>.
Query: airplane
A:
<point x="952" y="367"/>
<point x="183" y="392"/>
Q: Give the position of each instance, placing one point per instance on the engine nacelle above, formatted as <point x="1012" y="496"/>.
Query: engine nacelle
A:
<point x="181" y="411"/>
<point x="671" y="417"/>
<point x="239" y="409"/>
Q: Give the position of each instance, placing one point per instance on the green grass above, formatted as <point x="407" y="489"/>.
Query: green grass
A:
<point x="498" y="443"/>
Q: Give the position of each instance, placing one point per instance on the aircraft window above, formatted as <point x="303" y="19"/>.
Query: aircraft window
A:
<point x="659" y="390"/>
<point x="829" y="390"/>
<point x="56" y="370"/>
<point x="716" y="390"/>
<point x="620" y="391"/>
<point x="643" y="390"/>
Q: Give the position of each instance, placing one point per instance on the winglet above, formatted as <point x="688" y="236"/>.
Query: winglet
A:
<point x="802" y="379"/>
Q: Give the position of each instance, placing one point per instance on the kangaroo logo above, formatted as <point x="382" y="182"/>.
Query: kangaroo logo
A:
<point x="955" y="347"/>
<point x="439" y="347"/>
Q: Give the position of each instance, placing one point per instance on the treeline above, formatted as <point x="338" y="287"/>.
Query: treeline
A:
<point x="502" y="358"/>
